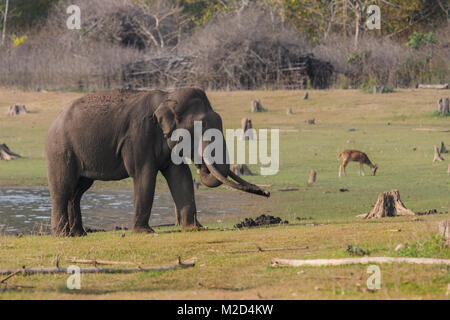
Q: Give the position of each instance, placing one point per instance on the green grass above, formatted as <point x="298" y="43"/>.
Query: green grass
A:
<point x="432" y="247"/>
<point x="388" y="127"/>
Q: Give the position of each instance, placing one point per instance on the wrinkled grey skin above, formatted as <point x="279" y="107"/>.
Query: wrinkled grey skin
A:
<point x="119" y="134"/>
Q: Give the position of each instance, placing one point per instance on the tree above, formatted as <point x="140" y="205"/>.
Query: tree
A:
<point x="5" y="18"/>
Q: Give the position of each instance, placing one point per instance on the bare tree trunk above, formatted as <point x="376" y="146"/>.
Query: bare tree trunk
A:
<point x="5" y="16"/>
<point x="388" y="205"/>
<point x="437" y="155"/>
<point x="358" y="20"/>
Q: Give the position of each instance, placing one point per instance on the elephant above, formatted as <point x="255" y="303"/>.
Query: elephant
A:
<point x="118" y="134"/>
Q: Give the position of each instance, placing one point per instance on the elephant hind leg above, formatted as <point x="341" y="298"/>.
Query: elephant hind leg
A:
<point x="74" y="210"/>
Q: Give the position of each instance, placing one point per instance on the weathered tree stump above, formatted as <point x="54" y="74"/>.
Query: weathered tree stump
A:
<point x="241" y="170"/>
<point x="443" y="149"/>
<point x="388" y="205"/>
<point x="17" y="109"/>
<point x="311" y="121"/>
<point x="256" y="106"/>
<point x="6" y="154"/>
<point x="443" y="106"/>
<point x="312" y="177"/>
<point x="444" y="229"/>
<point x="437" y="155"/>
<point x="306" y="96"/>
<point x="289" y="111"/>
<point x="247" y="128"/>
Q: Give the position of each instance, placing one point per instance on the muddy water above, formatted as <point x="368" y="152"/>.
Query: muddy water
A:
<point x="25" y="210"/>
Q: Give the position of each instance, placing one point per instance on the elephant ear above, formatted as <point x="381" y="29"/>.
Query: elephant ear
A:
<point x="166" y="117"/>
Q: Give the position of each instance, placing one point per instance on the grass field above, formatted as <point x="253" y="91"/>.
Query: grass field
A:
<point x="387" y="127"/>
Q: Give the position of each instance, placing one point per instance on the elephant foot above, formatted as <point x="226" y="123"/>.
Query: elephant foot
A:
<point x="144" y="229"/>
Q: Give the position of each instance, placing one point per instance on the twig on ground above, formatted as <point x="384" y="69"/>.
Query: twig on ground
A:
<point x="271" y="249"/>
<point x="102" y="262"/>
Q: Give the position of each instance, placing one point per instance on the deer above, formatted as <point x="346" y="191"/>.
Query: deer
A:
<point x="358" y="156"/>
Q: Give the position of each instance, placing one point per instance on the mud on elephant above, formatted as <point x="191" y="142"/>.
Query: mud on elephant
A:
<point x="123" y="133"/>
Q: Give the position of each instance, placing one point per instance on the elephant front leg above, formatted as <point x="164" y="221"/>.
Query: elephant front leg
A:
<point x="179" y="179"/>
<point x="144" y="191"/>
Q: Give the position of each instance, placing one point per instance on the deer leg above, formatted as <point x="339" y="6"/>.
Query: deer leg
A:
<point x="362" y="170"/>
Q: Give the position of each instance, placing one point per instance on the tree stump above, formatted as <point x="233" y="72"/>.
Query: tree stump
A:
<point x="306" y="96"/>
<point x="437" y="155"/>
<point x="6" y="154"/>
<point x="444" y="229"/>
<point x="289" y="111"/>
<point x="443" y="149"/>
<point x="17" y="109"/>
<point x="241" y="170"/>
<point x="256" y="106"/>
<point x="388" y="205"/>
<point x="312" y="177"/>
<point x="247" y="128"/>
<point x="443" y="106"/>
<point x="311" y="121"/>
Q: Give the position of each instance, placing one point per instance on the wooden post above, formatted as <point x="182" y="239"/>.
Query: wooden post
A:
<point x="247" y="127"/>
<point x="312" y="177"/>
<point x="444" y="229"/>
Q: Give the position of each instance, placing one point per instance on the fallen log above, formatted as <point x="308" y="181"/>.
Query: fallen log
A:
<point x="58" y="270"/>
<point x="433" y="86"/>
<point x="345" y="261"/>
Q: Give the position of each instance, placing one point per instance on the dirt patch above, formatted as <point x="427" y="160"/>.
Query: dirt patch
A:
<point x="262" y="220"/>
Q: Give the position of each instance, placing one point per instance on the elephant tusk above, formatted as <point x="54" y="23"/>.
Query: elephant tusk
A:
<point x="244" y="186"/>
